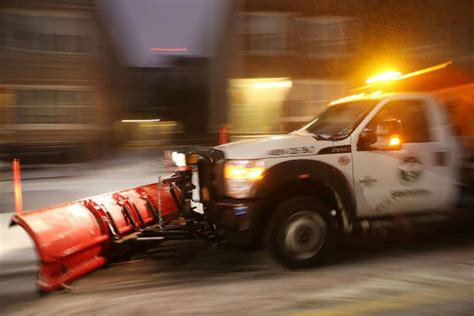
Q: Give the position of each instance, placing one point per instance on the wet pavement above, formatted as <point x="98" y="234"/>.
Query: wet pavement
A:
<point x="426" y="271"/>
<point x="421" y="274"/>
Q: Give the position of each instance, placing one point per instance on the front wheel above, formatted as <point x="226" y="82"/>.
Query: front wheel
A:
<point x="300" y="232"/>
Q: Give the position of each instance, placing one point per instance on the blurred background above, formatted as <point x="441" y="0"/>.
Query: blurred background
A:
<point x="93" y="93"/>
<point x="80" y="79"/>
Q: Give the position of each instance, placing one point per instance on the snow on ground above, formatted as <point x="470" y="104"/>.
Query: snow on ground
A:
<point x="46" y="185"/>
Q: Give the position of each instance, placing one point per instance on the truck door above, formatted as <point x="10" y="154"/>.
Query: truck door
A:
<point x="389" y="181"/>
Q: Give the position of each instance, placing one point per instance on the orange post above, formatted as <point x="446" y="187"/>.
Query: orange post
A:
<point x="223" y="139"/>
<point x="17" y="187"/>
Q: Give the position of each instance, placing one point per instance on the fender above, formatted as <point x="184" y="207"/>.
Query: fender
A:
<point x="304" y="169"/>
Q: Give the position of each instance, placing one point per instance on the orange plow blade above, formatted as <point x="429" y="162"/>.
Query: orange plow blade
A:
<point x="75" y="238"/>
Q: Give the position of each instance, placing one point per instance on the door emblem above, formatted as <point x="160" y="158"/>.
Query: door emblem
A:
<point x="410" y="170"/>
<point x="344" y="160"/>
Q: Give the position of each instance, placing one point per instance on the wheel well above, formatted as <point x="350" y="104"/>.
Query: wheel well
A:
<point x="305" y="187"/>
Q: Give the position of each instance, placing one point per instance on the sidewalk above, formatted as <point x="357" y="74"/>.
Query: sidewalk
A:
<point x="125" y="158"/>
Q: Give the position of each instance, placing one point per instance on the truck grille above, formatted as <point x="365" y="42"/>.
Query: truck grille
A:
<point x="211" y="172"/>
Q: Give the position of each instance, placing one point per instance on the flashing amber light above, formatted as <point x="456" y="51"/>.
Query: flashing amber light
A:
<point x="348" y="98"/>
<point x="394" y="76"/>
<point x="394" y="141"/>
<point x="357" y="96"/>
<point x="385" y="76"/>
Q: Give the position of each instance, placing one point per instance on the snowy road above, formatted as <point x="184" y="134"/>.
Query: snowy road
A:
<point x="426" y="272"/>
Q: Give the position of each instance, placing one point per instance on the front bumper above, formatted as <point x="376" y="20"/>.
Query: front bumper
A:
<point x="235" y="218"/>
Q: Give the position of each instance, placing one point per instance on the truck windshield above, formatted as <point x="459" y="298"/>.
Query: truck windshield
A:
<point x="338" y="121"/>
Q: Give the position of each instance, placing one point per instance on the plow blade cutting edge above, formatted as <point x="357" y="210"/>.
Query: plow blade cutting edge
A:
<point x="75" y="238"/>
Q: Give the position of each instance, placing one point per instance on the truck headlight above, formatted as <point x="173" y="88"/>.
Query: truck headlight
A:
<point x="240" y="175"/>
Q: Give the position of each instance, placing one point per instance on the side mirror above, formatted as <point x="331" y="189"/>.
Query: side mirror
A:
<point x="387" y="136"/>
<point x="366" y="139"/>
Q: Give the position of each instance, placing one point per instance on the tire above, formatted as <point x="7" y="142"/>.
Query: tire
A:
<point x="300" y="232"/>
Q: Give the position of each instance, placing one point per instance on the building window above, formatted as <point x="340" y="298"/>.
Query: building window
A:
<point x="60" y="34"/>
<point x="55" y="106"/>
<point x="265" y="33"/>
<point x="308" y="98"/>
<point x="322" y="36"/>
<point x="2" y="30"/>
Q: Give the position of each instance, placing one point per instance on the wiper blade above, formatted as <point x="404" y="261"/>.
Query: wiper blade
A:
<point x="323" y="137"/>
<point x="338" y="137"/>
<point x="329" y="137"/>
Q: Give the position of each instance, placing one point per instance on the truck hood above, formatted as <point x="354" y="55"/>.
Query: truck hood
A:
<point x="275" y="146"/>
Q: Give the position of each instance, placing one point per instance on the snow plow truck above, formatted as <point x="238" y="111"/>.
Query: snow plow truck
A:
<point x="401" y="146"/>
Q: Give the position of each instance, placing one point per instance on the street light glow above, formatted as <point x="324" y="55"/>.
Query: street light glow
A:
<point x="140" y="121"/>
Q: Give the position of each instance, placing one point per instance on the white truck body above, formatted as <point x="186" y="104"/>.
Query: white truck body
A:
<point x="370" y="157"/>
<point x="377" y="176"/>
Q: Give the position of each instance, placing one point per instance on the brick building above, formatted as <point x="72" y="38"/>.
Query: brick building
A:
<point x="296" y="55"/>
<point x="54" y="79"/>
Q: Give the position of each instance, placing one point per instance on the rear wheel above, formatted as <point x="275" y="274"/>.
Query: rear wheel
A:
<point x="300" y="232"/>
